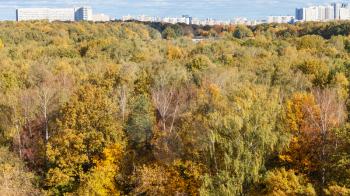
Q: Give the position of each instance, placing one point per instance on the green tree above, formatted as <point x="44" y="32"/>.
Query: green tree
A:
<point x="140" y="123"/>
<point x="169" y="33"/>
<point x="317" y="71"/>
<point x="339" y="174"/>
<point x="311" y="42"/>
<point x="237" y="135"/>
<point x="242" y="31"/>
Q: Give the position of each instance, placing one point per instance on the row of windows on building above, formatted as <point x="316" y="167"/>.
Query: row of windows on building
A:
<point x="60" y="14"/>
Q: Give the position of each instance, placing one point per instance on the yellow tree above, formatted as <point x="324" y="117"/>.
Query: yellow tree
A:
<point x="1" y="44"/>
<point x="281" y="182"/>
<point x="86" y="130"/>
<point x="303" y="134"/>
<point x="178" y="178"/>
<point x="311" y="119"/>
<point x="101" y="179"/>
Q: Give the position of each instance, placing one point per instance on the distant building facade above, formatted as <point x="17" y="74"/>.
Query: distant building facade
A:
<point x="83" y="13"/>
<point x="280" y="19"/>
<point x="101" y="18"/>
<point x="334" y="11"/>
<point x="60" y="14"/>
<point x="300" y="13"/>
<point x="188" y="19"/>
<point x="57" y="14"/>
<point x="329" y="13"/>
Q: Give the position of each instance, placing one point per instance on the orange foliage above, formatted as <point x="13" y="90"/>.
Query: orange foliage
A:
<point x="304" y="134"/>
<point x="180" y="178"/>
<point x="311" y="119"/>
<point x="174" y="52"/>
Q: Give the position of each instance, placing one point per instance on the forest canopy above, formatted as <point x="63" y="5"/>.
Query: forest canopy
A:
<point x="130" y="108"/>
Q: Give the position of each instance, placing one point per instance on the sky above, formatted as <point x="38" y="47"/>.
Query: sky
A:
<point x="217" y="9"/>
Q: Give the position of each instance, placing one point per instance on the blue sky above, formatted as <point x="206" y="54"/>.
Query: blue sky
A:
<point x="218" y="9"/>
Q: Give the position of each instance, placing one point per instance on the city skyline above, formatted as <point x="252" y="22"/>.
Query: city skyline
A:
<point x="218" y="9"/>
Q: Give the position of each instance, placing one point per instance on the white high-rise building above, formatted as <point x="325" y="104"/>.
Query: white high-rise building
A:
<point x="334" y="11"/>
<point x="344" y="12"/>
<point x="329" y="13"/>
<point x="307" y="14"/>
<point x="57" y="14"/>
<point x="188" y="19"/>
<point x="311" y="14"/>
<point x="321" y="13"/>
<point x="336" y="7"/>
<point x="83" y="13"/>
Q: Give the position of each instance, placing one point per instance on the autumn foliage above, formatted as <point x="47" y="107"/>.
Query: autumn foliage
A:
<point x="131" y="108"/>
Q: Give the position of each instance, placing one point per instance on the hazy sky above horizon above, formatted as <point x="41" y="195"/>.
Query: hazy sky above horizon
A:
<point x="218" y="9"/>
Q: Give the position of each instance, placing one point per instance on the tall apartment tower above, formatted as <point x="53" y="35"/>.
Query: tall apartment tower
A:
<point x="300" y="14"/>
<point x="188" y="19"/>
<point x="308" y="14"/>
<point x="321" y="13"/>
<point x="83" y="13"/>
<point x="329" y="13"/>
<point x="336" y="7"/>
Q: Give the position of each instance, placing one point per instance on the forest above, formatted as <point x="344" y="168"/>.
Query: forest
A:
<point x="130" y="108"/>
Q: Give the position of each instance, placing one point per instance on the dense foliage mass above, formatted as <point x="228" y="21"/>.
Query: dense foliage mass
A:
<point x="142" y="109"/>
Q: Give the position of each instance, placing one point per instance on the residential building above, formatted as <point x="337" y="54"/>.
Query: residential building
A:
<point x="344" y="12"/>
<point x="329" y="13"/>
<point x="311" y="14"/>
<point x="300" y="14"/>
<point x="188" y="19"/>
<point x="83" y="13"/>
<point x="100" y="18"/>
<point x="334" y="11"/>
<point x="336" y="7"/>
<point x="56" y="14"/>
<point x="280" y="19"/>
<point x="196" y="21"/>
<point x="321" y="13"/>
<point x="59" y="14"/>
